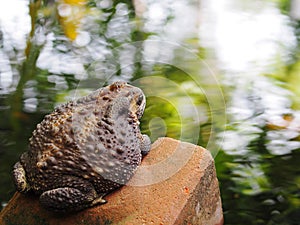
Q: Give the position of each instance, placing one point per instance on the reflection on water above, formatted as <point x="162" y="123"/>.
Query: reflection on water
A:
<point x="254" y="106"/>
<point x="188" y="57"/>
<point x="248" y="36"/>
<point x="263" y="129"/>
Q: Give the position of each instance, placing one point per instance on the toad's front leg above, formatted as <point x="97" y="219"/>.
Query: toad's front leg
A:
<point x="145" y="144"/>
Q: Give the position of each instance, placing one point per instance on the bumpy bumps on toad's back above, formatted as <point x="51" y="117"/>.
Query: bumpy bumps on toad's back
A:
<point x="85" y="149"/>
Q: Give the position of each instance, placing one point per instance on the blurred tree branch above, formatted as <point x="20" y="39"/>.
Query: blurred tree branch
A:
<point x="27" y="70"/>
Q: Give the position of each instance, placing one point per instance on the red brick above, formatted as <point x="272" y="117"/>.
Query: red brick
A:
<point x="175" y="184"/>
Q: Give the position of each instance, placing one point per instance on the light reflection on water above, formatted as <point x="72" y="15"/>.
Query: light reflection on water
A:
<point x="246" y="46"/>
<point x="250" y="41"/>
<point x="15" y="25"/>
<point x="254" y="105"/>
<point x="247" y="38"/>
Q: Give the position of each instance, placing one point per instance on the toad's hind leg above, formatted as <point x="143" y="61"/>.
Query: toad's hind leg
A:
<point x="78" y="194"/>
<point x="20" y="180"/>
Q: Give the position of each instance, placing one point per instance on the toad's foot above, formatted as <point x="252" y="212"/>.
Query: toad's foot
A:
<point x="78" y="195"/>
<point x="99" y="201"/>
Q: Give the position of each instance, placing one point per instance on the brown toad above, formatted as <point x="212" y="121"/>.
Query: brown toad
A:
<point x="85" y="149"/>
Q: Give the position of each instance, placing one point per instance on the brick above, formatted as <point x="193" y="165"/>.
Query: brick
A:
<point x="175" y="184"/>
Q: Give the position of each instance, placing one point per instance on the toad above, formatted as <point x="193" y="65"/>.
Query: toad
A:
<point x="85" y="149"/>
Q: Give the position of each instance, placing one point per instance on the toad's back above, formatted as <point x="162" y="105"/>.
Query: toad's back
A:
<point x="95" y="138"/>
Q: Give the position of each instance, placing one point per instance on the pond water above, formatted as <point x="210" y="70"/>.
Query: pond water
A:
<point x="222" y="74"/>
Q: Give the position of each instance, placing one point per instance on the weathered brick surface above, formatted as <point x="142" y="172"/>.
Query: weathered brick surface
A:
<point x="176" y="184"/>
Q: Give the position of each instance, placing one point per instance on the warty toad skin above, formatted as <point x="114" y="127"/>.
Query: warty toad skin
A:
<point x="85" y="149"/>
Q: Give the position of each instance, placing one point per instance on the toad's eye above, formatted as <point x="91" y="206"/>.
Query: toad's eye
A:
<point x="140" y="100"/>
